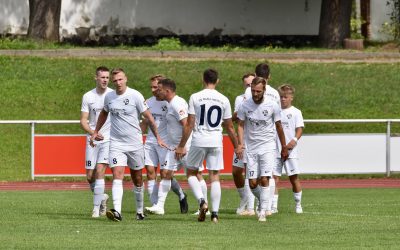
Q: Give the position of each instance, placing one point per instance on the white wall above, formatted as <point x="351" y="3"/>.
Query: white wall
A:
<point x="266" y="17"/>
<point x="380" y="13"/>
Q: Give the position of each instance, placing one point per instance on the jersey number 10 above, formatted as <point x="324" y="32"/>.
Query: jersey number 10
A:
<point x="209" y="114"/>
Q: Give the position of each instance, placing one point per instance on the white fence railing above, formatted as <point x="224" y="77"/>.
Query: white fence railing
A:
<point x="387" y="149"/>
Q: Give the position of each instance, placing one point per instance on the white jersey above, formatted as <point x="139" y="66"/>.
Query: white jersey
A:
<point x="159" y="111"/>
<point x="291" y="119"/>
<point x="177" y="111"/>
<point x="210" y="108"/>
<point x="125" y="110"/>
<point x="270" y="93"/>
<point x="238" y="101"/>
<point x="93" y="103"/>
<point x="259" y="124"/>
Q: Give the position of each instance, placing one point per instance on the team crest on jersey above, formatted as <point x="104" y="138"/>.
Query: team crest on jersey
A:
<point x="265" y="112"/>
<point x="289" y="116"/>
<point x="164" y="108"/>
<point x="182" y="112"/>
<point x="126" y="101"/>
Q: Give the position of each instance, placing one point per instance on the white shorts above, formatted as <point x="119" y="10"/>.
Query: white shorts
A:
<point x="96" y="155"/>
<point x="154" y="155"/>
<point x="291" y="166"/>
<point x="172" y="163"/>
<point x="213" y="157"/>
<point x="236" y="162"/>
<point x="260" y="164"/>
<point x="133" y="159"/>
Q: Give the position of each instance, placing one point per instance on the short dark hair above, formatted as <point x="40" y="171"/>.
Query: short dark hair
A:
<point x="262" y="70"/>
<point x="102" y="69"/>
<point x="247" y="75"/>
<point x="210" y="76"/>
<point x="168" y="83"/>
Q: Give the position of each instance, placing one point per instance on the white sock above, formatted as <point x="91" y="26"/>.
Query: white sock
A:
<point x="275" y="202"/>
<point x="138" y="191"/>
<point x="165" y="186"/>
<point x="91" y="185"/>
<point x="152" y="188"/>
<point x="297" y="198"/>
<point x="176" y="188"/>
<point x="264" y="198"/>
<point x="98" y="192"/>
<point x="271" y="193"/>
<point x="117" y="193"/>
<point x="250" y="195"/>
<point x="154" y="195"/>
<point x="256" y="192"/>
<point x="215" y="195"/>
<point x="196" y="188"/>
<point x="203" y="185"/>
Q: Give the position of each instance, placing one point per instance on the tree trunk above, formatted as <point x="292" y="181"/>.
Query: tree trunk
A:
<point x="334" y="25"/>
<point x="44" y="20"/>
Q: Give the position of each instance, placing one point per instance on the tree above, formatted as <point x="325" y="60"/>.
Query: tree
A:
<point x="44" y="20"/>
<point x="334" y="25"/>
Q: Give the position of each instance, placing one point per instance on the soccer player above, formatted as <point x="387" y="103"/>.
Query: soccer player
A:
<point x="96" y="157"/>
<point x="246" y="205"/>
<point x="263" y="70"/>
<point x="293" y="124"/>
<point x="258" y="119"/>
<point x="208" y="110"/>
<point x="154" y="154"/>
<point x="126" y="143"/>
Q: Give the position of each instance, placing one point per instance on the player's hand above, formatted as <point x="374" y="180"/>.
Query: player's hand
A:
<point x="291" y="144"/>
<point x="99" y="137"/>
<point x="180" y="152"/>
<point x="284" y="153"/>
<point x="162" y="144"/>
<point x="239" y="152"/>
<point x="92" y="138"/>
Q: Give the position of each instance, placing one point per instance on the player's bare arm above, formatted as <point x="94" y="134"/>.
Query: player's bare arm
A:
<point x="100" y="122"/>
<point x="84" y="123"/>
<point x="240" y="134"/>
<point x="281" y="135"/>
<point x="293" y="142"/>
<point x="187" y="126"/>
<point x="152" y="124"/>
<point x="144" y="125"/>
<point x="228" y="124"/>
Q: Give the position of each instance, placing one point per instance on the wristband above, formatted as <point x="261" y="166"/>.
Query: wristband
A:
<point x="295" y="139"/>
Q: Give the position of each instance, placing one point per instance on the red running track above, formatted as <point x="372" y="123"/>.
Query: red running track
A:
<point x="227" y="184"/>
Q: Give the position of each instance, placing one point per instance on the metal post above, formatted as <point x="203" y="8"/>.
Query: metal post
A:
<point x="33" y="151"/>
<point x="388" y="149"/>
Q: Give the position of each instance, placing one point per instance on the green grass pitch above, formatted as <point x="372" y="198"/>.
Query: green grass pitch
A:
<point x="333" y="218"/>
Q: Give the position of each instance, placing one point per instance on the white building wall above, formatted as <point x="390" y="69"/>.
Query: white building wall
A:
<point x="225" y="17"/>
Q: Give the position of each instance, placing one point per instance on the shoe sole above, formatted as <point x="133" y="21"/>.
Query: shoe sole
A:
<point x="203" y="212"/>
<point x="110" y="215"/>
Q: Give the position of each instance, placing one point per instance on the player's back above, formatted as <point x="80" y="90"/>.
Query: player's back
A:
<point x="210" y="108"/>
